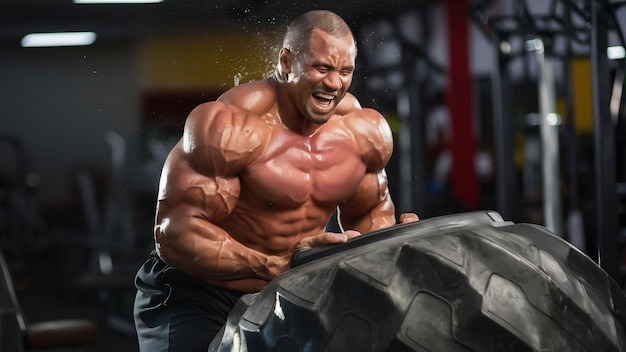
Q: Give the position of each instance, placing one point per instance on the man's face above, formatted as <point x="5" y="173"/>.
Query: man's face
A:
<point x="322" y="75"/>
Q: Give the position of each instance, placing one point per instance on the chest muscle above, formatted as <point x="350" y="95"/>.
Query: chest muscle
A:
<point x="325" y="168"/>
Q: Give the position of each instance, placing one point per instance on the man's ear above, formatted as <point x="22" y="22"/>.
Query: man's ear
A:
<point x="285" y="61"/>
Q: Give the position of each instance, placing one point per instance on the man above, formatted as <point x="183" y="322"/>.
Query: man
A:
<point x="255" y="177"/>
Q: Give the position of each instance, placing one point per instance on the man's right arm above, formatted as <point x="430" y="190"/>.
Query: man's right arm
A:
<point x="199" y="187"/>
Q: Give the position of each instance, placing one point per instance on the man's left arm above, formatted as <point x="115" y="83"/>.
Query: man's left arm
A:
<point x="370" y="207"/>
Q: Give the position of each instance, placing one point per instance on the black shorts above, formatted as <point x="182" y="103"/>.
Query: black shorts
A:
<point x="177" y="312"/>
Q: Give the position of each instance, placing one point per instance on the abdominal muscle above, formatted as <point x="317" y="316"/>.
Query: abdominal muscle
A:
<point x="270" y="231"/>
<point x="274" y="231"/>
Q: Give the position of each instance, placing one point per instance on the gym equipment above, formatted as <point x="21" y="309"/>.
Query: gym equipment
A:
<point x="110" y="240"/>
<point x="16" y="334"/>
<point x="463" y="282"/>
<point x="569" y="31"/>
<point x="22" y="228"/>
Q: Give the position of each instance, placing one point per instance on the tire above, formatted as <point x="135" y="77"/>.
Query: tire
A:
<point x="465" y="282"/>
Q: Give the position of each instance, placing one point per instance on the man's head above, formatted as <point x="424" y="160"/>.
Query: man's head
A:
<point x="299" y="30"/>
<point x="317" y="62"/>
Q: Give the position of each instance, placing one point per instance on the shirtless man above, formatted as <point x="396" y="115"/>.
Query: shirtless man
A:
<point x="255" y="177"/>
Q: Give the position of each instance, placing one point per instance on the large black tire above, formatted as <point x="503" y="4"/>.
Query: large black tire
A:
<point x="466" y="282"/>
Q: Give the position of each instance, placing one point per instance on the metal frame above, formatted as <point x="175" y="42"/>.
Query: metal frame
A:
<point x="595" y="39"/>
<point x="604" y="144"/>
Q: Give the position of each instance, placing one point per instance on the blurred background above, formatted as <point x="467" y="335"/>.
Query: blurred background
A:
<point x="507" y="105"/>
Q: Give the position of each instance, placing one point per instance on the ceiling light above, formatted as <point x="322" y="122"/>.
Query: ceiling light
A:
<point x="615" y="52"/>
<point x="117" y="1"/>
<point x="58" y="39"/>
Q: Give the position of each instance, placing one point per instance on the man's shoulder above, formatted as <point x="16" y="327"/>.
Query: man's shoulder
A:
<point x="222" y="116"/>
<point x="351" y="108"/>
<point x="370" y="130"/>
<point x="257" y="97"/>
<point x="356" y="116"/>
<point x="224" y="128"/>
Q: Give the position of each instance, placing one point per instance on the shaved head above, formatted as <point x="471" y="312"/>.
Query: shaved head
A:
<point x="299" y="30"/>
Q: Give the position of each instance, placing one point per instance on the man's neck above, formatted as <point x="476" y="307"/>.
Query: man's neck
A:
<point x="289" y="116"/>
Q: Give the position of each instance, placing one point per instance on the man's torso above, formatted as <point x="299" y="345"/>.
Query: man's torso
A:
<point x="291" y="190"/>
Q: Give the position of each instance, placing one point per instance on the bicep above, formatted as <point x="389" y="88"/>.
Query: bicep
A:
<point x="189" y="205"/>
<point x="370" y="207"/>
<point x="187" y="191"/>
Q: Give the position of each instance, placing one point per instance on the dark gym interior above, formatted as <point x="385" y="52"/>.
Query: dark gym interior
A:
<point x="464" y="84"/>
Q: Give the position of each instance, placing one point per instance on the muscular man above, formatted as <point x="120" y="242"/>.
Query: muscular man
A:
<point x="255" y="177"/>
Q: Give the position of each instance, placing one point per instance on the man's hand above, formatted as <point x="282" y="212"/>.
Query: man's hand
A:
<point x="278" y="265"/>
<point x="408" y="217"/>
<point x="323" y="239"/>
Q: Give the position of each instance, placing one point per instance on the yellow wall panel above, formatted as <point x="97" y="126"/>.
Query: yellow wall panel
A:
<point x="583" y="103"/>
<point x="210" y="61"/>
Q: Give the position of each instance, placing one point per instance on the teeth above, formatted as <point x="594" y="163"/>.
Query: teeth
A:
<point x="325" y="96"/>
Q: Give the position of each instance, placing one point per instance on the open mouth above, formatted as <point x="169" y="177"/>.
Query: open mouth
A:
<point x="323" y="100"/>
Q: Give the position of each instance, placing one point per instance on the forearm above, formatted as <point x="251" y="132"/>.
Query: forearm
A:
<point x="206" y="251"/>
<point x="379" y="216"/>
